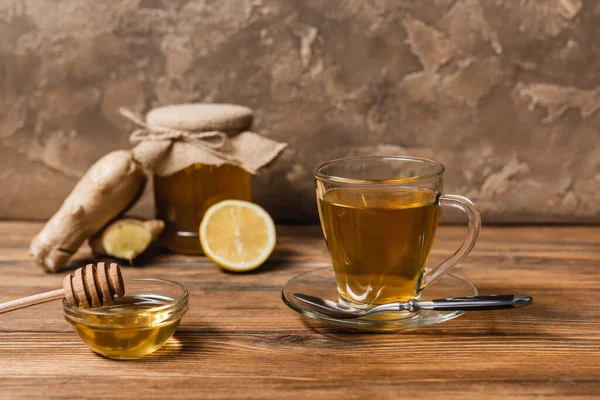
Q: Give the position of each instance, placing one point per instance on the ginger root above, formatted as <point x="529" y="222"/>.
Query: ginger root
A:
<point x="112" y="185"/>
<point x="126" y="238"/>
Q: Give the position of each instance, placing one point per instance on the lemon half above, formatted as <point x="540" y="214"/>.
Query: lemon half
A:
<point x="237" y="235"/>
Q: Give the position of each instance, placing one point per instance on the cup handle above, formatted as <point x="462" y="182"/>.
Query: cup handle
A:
<point x="474" y="218"/>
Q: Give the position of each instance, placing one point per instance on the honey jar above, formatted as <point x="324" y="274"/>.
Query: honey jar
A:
<point x="183" y="198"/>
<point x="199" y="154"/>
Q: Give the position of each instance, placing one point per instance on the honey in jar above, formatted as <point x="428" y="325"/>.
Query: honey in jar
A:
<point x="199" y="154"/>
<point x="183" y="198"/>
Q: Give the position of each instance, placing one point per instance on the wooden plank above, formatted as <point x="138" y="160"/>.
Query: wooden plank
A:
<point x="239" y="340"/>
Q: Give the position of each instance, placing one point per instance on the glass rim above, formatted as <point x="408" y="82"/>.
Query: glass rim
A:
<point x="179" y="303"/>
<point x="322" y="176"/>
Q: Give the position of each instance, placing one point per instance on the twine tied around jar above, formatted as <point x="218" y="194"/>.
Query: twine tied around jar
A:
<point x="209" y="140"/>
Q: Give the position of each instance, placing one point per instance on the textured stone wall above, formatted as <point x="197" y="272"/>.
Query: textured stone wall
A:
<point x="505" y="93"/>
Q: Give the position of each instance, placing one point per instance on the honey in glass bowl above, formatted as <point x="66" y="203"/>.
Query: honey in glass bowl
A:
<point x="137" y="324"/>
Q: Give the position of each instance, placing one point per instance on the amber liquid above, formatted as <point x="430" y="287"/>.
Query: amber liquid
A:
<point x="379" y="240"/>
<point x="134" y="329"/>
<point x="183" y="198"/>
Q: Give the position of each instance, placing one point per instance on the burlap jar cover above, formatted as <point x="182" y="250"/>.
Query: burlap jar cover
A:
<point x="177" y="136"/>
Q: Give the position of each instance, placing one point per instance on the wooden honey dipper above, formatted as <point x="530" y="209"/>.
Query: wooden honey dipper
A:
<point x="89" y="286"/>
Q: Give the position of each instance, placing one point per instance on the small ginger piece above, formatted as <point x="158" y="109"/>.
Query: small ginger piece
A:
<point x="126" y="238"/>
<point x="112" y="185"/>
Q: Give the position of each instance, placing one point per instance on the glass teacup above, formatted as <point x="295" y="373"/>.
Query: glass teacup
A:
<point x="379" y="217"/>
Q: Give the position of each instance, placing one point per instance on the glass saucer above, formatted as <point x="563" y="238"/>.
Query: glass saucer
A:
<point x="321" y="283"/>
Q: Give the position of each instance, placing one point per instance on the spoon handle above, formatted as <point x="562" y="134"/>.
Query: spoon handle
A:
<point x="475" y="303"/>
<point x="31" y="300"/>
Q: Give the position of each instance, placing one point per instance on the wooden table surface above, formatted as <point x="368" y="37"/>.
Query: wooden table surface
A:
<point x="239" y="340"/>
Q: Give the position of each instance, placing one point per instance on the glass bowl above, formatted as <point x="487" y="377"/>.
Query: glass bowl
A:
<point x="137" y="324"/>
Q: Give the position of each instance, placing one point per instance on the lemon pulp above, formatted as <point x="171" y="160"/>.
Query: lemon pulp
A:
<point x="237" y="235"/>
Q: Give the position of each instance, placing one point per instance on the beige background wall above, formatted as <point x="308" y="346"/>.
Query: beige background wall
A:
<point x="505" y="93"/>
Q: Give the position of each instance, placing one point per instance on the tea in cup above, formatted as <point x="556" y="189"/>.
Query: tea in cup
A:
<point x="379" y="217"/>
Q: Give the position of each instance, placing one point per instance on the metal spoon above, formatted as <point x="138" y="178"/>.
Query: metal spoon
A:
<point x="474" y="303"/>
